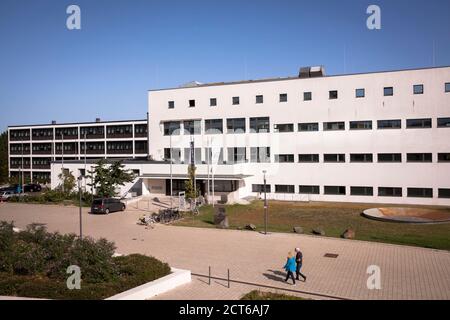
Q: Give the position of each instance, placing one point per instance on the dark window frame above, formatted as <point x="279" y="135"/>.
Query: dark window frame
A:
<point x="388" y="91"/>
<point x="236" y="101"/>
<point x="424" y="123"/>
<point x="283" y="97"/>
<point x="313" y="125"/>
<point x="213" y="102"/>
<point x="339" y="190"/>
<point x="308" y="158"/>
<point x="420" y="87"/>
<point x="333" y="95"/>
<point x="358" y="94"/>
<point x="308" y="189"/>
<point x="354" y="125"/>
<point x="307" y="96"/>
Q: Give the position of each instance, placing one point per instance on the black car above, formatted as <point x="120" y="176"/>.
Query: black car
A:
<point x="107" y="205"/>
<point x="32" y="188"/>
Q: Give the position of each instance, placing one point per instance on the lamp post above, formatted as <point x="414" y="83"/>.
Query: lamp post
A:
<point x="171" y="177"/>
<point x="265" y="204"/>
<point x="80" y="183"/>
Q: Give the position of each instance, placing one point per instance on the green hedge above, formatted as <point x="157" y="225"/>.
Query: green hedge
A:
<point x="33" y="263"/>
<point x="55" y="197"/>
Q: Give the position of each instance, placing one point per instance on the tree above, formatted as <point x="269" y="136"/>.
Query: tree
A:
<point x="191" y="191"/>
<point x="4" y="157"/>
<point x="106" y="178"/>
<point x="67" y="182"/>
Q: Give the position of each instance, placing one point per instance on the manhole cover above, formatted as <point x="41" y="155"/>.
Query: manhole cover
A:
<point x="331" y="255"/>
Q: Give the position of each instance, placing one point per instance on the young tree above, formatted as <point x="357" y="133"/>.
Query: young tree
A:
<point x="105" y="178"/>
<point x="191" y="192"/>
<point x="67" y="182"/>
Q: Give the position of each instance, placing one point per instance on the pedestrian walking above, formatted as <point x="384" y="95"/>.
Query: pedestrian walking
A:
<point x="299" y="261"/>
<point x="290" y="267"/>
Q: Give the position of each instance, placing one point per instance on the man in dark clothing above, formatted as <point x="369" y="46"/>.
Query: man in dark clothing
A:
<point x="299" y="260"/>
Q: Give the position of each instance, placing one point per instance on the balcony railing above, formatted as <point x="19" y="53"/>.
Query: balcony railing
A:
<point x="41" y="166"/>
<point x="119" y="135"/>
<point x="19" y="152"/>
<point x="124" y="151"/>
<point x="42" y="152"/>
<point x="40" y="138"/>
<point x="26" y="138"/>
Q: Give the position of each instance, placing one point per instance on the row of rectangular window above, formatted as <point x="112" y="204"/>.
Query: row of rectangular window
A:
<point x="362" y="157"/>
<point x="307" y="96"/>
<point x="263" y="155"/>
<point x="354" y="191"/>
<point x="262" y="125"/>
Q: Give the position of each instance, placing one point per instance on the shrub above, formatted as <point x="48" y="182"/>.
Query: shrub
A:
<point x="33" y="263"/>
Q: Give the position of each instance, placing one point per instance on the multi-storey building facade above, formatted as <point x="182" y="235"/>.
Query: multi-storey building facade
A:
<point x="33" y="148"/>
<point x="380" y="137"/>
<point x="375" y="137"/>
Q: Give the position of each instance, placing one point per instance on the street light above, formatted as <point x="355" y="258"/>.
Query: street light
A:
<point x="80" y="179"/>
<point x="265" y="204"/>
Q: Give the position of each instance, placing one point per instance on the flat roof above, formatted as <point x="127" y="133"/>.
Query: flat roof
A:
<point x="234" y="177"/>
<point x="73" y="123"/>
<point x="213" y="84"/>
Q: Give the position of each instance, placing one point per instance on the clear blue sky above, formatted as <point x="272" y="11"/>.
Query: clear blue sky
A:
<point x="126" y="47"/>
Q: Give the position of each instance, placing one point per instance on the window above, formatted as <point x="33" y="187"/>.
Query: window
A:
<point x="418" y="123"/>
<point x="259" y="188"/>
<point x="443" y="122"/>
<point x="237" y="155"/>
<point x="389" y="124"/>
<point x="418" y="89"/>
<point x="284" y="158"/>
<point x="171" y="128"/>
<point x="361" y="157"/>
<point x="360" y="93"/>
<point x="283" y="97"/>
<point x="333" y="94"/>
<point x="214" y="126"/>
<point x="420" y="193"/>
<point x="260" y="125"/>
<point x="236" y="125"/>
<point x="171" y="104"/>
<point x="389" y="192"/>
<point x="307" y="96"/>
<point x="192" y="127"/>
<point x="283" y="188"/>
<point x="213" y="102"/>
<point x="217" y="158"/>
<point x="334" y="158"/>
<point x="305" y="158"/>
<point x="197" y="155"/>
<point x="361" y="191"/>
<point x="360" y="125"/>
<point x="289" y="127"/>
<point x="333" y="126"/>
<point x="305" y="127"/>
<point x="259" y="99"/>
<point x="175" y="157"/>
<point x="444" y="157"/>
<point x="419" y="157"/>
<point x="444" y="193"/>
<point x="260" y="154"/>
<point x="389" y="157"/>
<point x="235" y="101"/>
<point x="388" y="91"/>
<point x="447" y="87"/>
<point x="335" y="190"/>
<point x="309" y="190"/>
<point x="191" y="103"/>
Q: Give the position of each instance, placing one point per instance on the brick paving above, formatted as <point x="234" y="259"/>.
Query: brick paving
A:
<point x="406" y="272"/>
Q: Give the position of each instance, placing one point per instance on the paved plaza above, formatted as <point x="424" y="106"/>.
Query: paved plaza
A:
<point x="255" y="259"/>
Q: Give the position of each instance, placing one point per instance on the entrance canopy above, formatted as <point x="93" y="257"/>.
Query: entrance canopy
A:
<point x="225" y="177"/>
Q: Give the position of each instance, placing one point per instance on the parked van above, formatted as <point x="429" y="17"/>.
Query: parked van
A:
<point x="107" y="205"/>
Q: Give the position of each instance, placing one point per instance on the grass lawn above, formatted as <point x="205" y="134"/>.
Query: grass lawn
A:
<point x="260" y="295"/>
<point x="333" y="218"/>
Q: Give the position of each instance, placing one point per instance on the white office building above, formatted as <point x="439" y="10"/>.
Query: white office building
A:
<point x="380" y="137"/>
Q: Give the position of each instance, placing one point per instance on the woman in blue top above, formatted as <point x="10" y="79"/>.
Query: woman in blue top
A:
<point x="290" y="267"/>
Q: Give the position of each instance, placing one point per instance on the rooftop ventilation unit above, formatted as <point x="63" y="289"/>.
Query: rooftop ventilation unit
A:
<point x="191" y="84"/>
<point x="98" y="120"/>
<point x="311" y="72"/>
<point x="53" y="121"/>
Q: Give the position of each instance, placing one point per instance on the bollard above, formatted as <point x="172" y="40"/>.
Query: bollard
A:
<point x="228" y="278"/>
<point x="209" y="277"/>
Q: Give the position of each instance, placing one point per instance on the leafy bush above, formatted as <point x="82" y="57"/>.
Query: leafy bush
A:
<point x="33" y="263"/>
